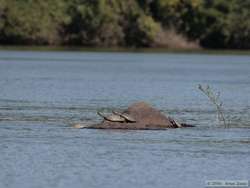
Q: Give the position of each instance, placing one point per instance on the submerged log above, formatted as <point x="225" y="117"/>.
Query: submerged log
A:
<point x="146" y="117"/>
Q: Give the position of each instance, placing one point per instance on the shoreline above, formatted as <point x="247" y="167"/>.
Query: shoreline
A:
<point x="123" y="50"/>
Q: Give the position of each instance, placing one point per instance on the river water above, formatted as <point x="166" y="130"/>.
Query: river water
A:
<point x="42" y="94"/>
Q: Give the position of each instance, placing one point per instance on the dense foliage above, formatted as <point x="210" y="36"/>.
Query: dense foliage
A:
<point x="130" y="23"/>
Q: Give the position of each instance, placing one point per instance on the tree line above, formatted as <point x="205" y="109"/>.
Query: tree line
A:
<point x="131" y="23"/>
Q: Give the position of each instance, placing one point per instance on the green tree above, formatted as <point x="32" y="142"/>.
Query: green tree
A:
<point x="239" y="26"/>
<point x="130" y="23"/>
<point x="94" y="22"/>
<point x="33" y="21"/>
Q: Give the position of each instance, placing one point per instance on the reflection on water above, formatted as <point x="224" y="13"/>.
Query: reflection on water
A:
<point x="43" y="93"/>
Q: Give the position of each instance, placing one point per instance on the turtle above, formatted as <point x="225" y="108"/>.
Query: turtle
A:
<point x="112" y="117"/>
<point x="127" y="117"/>
<point x="175" y="123"/>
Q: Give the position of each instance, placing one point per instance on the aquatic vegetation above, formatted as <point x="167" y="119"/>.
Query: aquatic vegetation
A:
<point x="215" y="99"/>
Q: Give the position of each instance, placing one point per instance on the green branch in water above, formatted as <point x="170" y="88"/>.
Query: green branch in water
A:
<point x="215" y="99"/>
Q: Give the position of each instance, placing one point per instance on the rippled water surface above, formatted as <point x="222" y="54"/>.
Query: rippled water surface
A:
<point x="43" y="93"/>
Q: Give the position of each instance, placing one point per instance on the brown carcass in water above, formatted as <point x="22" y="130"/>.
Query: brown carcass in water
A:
<point x="138" y="116"/>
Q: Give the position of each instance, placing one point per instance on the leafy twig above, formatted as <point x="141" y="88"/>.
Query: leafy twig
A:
<point x="215" y="99"/>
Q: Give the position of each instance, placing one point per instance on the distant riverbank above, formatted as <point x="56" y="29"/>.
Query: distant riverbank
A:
<point x="131" y="50"/>
<point x="174" y="24"/>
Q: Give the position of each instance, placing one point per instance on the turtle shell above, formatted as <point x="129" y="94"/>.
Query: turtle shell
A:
<point x="126" y="116"/>
<point x="112" y="117"/>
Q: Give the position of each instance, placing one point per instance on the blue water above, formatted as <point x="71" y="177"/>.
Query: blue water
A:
<point x="42" y="94"/>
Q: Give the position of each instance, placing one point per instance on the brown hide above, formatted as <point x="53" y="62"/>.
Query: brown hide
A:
<point x="145" y="115"/>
